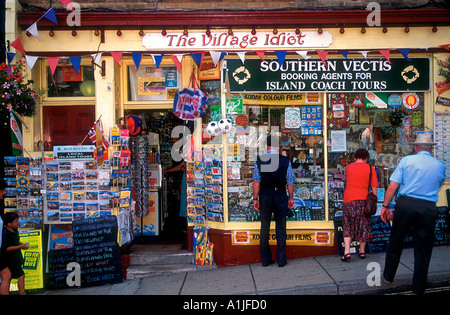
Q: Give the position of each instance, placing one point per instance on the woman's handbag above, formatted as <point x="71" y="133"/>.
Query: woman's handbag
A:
<point x="370" y="207"/>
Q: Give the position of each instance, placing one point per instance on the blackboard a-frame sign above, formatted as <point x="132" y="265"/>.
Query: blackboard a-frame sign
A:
<point x="381" y="232"/>
<point x="58" y="259"/>
<point x="97" y="251"/>
<point x="380" y="235"/>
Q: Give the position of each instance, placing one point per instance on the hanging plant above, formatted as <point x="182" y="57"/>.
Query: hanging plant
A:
<point x="16" y="92"/>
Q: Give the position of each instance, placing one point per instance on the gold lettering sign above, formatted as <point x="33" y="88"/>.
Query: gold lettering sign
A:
<point x="294" y="237"/>
<point x="282" y="99"/>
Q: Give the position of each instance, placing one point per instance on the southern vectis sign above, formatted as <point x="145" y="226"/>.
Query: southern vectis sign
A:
<point x="337" y="75"/>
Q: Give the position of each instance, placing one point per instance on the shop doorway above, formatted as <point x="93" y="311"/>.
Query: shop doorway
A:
<point x="173" y="224"/>
<point x="66" y="125"/>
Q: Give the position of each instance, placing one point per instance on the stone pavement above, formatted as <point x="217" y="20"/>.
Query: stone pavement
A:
<point x="322" y="275"/>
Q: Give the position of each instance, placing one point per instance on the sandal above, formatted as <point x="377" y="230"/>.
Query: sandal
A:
<point x="362" y="255"/>
<point x="346" y="257"/>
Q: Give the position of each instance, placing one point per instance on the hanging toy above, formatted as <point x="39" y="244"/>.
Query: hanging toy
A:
<point x="213" y="129"/>
<point x="134" y="124"/>
<point x="225" y="125"/>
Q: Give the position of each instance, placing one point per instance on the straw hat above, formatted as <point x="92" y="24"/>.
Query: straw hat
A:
<point x="425" y="138"/>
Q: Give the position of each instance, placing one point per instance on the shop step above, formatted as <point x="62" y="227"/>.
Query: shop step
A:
<point x="160" y="257"/>
<point x="148" y="260"/>
<point x="144" y="271"/>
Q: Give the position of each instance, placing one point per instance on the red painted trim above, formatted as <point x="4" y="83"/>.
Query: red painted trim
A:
<point x="200" y="19"/>
<point x="226" y="254"/>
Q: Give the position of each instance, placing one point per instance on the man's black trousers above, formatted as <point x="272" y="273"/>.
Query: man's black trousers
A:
<point x="417" y="216"/>
<point x="276" y="202"/>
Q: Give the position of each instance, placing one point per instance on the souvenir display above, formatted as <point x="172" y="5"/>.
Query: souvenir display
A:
<point x="202" y="247"/>
<point x="204" y="187"/>
<point x="23" y="178"/>
<point x="120" y="194"/>
<point x="77" y="186"/>
<point x="442" y="125"/>
<point x="76" y="189"/>
<point x="145" y="182"/>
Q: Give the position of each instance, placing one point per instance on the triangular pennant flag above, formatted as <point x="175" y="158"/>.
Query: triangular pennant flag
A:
<point x="241" y="56"/>
<point x="117" y="55"/>
<point x="303" y="54"/>
<point x="177" y="60"/>
<point x="364" y="53"/>
<point x="198" y="58"/>
<point x="260" y="53"/>
<point x="76" y="61"/>
<point x="343" y="53"/>
<point x="405" y="52"/>
<point x="385" y="53"/>
<point x="67" y="3"/>
<point x="446" y="46"/>
<point x="281" y="55"/>
<point x="216" y="56"/>
<point x="137" y="57"/>
<point x="50" y="15"/>
<point x="53" y="62"/>
<point x="10" y="56"/>
<point x="323" y="55"/>
<point x="31" y="60"/>
<point x="97" y="58"/>
<point x="157" y="59"/>
<point x="33" y="30"/>
<point x="17" y="44"/>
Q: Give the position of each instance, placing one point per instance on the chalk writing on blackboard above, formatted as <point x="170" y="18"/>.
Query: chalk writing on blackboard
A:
<point x="57" y="266"/>
<point x="97" y="251"/>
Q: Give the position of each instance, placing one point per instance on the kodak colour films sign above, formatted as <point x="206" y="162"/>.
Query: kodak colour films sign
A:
<point x="337" y="75"/>
<point x="294" y="237"/>
<point x="238" y="40"/>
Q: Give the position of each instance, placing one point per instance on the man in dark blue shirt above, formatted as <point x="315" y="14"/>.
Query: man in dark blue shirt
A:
<point x="273" y="172"/>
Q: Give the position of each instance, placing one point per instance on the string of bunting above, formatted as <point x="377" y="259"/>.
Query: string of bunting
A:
<point x="197" y="57"/>
<point x="216" y="56"/>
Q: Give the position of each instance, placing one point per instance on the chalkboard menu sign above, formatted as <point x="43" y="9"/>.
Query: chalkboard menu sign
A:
<point x="97" y="251"/>
<point x="441" y="235"/>
<point x="57" y="265"/>
<point x="382" y="231"/>
<point x="380" y="235"/>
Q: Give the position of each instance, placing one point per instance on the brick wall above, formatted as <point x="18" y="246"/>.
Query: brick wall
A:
<point x="189" y="5"/>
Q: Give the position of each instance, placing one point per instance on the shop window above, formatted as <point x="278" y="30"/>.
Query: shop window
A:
<point x="299" y="130"/>
<point x="383" y="123"/>
<point x="150" y="83"/>
<point x="65" y="82"/>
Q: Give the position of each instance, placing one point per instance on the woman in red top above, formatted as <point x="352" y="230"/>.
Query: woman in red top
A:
<point x="356" y="224"/>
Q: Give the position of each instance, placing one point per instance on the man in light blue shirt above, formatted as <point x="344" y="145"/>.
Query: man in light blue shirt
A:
<point x="418" y="178"/>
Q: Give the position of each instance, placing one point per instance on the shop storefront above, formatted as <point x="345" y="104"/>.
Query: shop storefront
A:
<point x="323" y="94"/>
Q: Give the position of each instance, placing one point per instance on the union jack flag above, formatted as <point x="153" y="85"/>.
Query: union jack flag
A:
<point x="92" y="134"/>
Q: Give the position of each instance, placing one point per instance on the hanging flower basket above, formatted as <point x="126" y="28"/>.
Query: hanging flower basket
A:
<point x="16" y="92"/>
